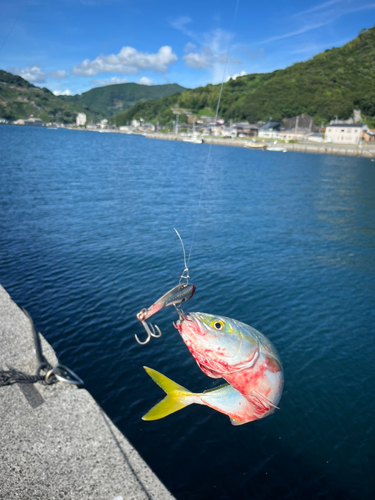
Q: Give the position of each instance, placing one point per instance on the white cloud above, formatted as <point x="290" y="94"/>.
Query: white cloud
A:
<point x="197" y="61"/>
<point x="145" y="81"/>
<point x="321" y="15"/>
<point x="296" y="32"/>
<point x="243" y="73"/>
<point x="33" y="74"/>
<point x="334" y="13"/>
<point x="127" y="61"/>
<point x="207" y="58"/>
<point x="181" y="23"/>
<point x="112" y="81"/>
<point x="213" y="50"/>
<point x="64" y="92"/>
<point x="61" y="73"/>
<point x="318" y="7"/>
<point x="189" y="47"/>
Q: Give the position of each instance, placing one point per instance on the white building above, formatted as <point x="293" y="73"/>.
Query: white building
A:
<point x="293" y="135"/>
<point x="269" y="130"/>
<point x="345" y="133"/>
<point x="35" y="122"/>
<point x="81" y="119"/>
<point x="315" y="137"/>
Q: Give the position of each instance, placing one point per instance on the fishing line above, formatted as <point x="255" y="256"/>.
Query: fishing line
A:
<point x="183" y="247"/>
<point x="210" y="147"/>
<point x="15" y="22"/>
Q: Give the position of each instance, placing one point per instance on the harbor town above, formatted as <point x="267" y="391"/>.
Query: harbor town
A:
<point x="343" y="137"/>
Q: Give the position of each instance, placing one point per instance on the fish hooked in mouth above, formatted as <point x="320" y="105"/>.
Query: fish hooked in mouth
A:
<point x="189" y="325"/>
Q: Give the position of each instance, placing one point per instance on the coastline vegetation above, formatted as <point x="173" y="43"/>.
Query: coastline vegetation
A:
<point x="21" y="99"/>
<point x="113" y="99"/>
<point x="331" y="84"/>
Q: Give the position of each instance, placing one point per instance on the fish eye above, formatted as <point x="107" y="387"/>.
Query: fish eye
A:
<point x="217" y="324"/>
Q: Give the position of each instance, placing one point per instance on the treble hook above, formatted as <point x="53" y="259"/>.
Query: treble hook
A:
<point x="176" y="296"/>
<point x="150" y="329"/>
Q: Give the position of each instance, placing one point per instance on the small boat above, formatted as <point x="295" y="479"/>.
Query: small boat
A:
<point x="255" y="145"/>
<point x="193" y="139"/>
<point x="274" y="148"/>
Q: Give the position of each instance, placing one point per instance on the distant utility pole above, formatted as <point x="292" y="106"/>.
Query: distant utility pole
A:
<point x="297" y="121"/>
<point x="177" y="115"/>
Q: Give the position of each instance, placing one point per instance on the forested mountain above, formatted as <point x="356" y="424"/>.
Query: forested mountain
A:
<point x="330" y="84"/>
<point x="112" y="99"/>
<point x="21" y="99"/>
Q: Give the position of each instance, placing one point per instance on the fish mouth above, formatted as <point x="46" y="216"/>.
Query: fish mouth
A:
<point x="189" y="325"/>
<point x="183" y="318"/>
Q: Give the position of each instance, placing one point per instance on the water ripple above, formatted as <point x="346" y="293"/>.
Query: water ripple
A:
<point x="285" y="243"/>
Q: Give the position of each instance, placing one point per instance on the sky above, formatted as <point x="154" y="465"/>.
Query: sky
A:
<point x="71" y="46"/>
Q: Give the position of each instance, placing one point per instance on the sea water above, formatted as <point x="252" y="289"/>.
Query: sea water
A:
<point x="283" y="242"/>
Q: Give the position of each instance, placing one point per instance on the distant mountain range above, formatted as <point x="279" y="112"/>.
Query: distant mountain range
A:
<point x="113" y="99"/>
<point x="330" y="84"/>
<point x="21" y="99"/>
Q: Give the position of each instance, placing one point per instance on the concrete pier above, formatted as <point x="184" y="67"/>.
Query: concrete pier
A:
<point x="366" y="151"/>
<point x="56" y="442"/>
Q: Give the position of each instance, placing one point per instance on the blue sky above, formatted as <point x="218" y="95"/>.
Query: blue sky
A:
<point x="74" y="45"/>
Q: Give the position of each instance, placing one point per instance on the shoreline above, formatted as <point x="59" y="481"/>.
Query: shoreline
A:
<point x="364" y="151"/>
<point x="297" y="147"/>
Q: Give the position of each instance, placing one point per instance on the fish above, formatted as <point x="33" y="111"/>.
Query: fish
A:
<point x="242" y="356"/>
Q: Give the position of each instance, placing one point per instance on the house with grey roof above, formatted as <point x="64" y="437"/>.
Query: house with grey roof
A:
<point x="270" y="130"/>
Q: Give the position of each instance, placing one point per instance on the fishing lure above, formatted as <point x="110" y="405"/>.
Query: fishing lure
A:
<point x="223" y="348"/>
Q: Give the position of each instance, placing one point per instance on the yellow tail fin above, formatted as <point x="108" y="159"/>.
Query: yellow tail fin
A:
<point x="176" y="398"/>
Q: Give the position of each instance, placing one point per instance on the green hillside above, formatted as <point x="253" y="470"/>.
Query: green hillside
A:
<point x="21" y="99"/>
<point x="112" y="99"/>
<point x="330" y="84"/>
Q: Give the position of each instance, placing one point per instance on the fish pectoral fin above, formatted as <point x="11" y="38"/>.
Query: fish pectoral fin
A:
<point x="264" y="399"/>
<point x="234" y="421"/>
<point x="208" y="371"/>
<point x="177" y="396"/>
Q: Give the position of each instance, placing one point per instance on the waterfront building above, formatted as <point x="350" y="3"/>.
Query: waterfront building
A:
<point x="345" y="133"/>
<point x="34" y="122"/>
<point x="247" y="129"/>
<point x="369" y="135"/>
<point x="81" y="119"/>
<point x="270" y="130"/>
<point x="315" y="137"/>
<point x="293" y="135"/>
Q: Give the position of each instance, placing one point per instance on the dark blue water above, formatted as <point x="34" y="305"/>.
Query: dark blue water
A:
<point x="284" y="242"/>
